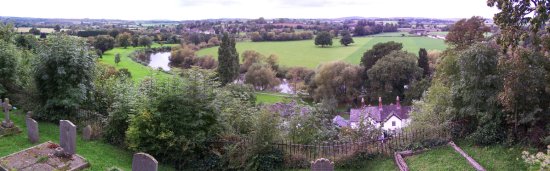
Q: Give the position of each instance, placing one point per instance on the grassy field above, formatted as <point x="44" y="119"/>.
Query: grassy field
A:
<point x="442" y="33"/>
<point x="138" y="70"/>
<point x="43" y="30"/>
<point x="100" y="155"/>
<point x="439" y="158"/>
<point x="395" y="34"/>
<point x="270" y="98"/>
<point x="305" y="53"/>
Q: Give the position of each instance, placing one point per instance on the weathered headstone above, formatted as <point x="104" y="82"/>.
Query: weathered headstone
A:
<point x="144" y="162"/>
<point x="87" y="133"/>
<point x="7" y="123"/>
<point x="322" y="164"/>
<point x="67" y="138"/>
<point x="29" y="114"/>
<point x="32" y="130"/>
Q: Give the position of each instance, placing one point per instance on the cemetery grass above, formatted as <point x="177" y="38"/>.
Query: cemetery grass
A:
<point x="101" y="156"/>
<point x="138" y="70"/>
<point x="497" y="157"/>
<point x="438" y="158"/>
<point x="304" y="53"/>
<point x="376" y="164"/>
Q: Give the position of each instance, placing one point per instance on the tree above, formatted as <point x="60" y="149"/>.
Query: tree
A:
<point x="337" y="80"/>
<point x="104" y="43"/>
<point x="360" y="28"/>
<point x="117" y="58"/>
<point x="423" y="62"/>
<point x="228" y="60"/>
<point x="182" y="56"/>
<point x="515" y="15"/>
<point x="135" y="40"/>
<point x="466" y="32"/>
<point x="389" y="76"/>
<point x="8" y="65"/>
<point x="476" y="93"/>
<point x="250" y="57"/>
<point x="145" y="41"/>
<point x="34" y="31"/>
<point x="57" y="28"/>
<point x="378" y="51"/>
<point x="124" y="39"/>
<point x="64" y="76"/>
<point x="323" y="39"/>
<point x="261" y="76"/>
<point x="346" y="39"/>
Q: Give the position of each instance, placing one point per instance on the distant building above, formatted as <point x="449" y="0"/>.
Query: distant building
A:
<point x="386" y="117"/>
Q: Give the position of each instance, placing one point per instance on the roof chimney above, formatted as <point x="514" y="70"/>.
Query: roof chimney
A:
<point x="398" y="102"/>
<point x="380" y="103"/>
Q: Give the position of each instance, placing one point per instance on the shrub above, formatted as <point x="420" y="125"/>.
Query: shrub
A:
<point x="64" y="76"/>
<point x="355" y="160"/>
<point x="540" y="159"/>
<point x="296" y="161"/>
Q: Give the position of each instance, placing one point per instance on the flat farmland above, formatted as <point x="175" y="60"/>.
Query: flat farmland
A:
<point x="305" y="53"/>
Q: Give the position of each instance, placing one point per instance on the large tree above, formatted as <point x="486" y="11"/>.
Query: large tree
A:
<point x="228" y="60"/>
<point x="515" y="16"/>
<point x="389" y="76"/>
<point x="337" y="80"/>
<point x="378" y="51"/>
<point x="261" y="76"/>
<point x="346" y="39"/>
<point x="466" y="32"/>
<point x="104" y="43"/>
<point x="124" y="39"/>
<point x="423" y="62"/>
<point x="324" y="39"/>
<point x="145" y="41"/>
<point x="64" y="76"/>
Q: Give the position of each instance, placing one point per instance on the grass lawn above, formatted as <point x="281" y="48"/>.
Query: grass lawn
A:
<point x="138" y="70"/>
<point x="395" y="34"/>
<point x="439" y="158"/>
<point x="305" y="53"/>
<point x="101" y="156"/>
<point x="496" y="157"/>
<point x="441" y="33"/>
<point x="376" y="164"/>
<point x="270" y="98"/>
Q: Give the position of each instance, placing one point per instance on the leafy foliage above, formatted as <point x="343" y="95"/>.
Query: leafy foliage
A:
<point x="346" y="39"/>
<point x="104" y="43"/>
<point x="466" y="32"/>
<point x="378" y="51"/>
<point x="64" y="74"/>
<point x="338" y="80"/>
<point x="323" y="39"/>
<point x="228" y="59"/>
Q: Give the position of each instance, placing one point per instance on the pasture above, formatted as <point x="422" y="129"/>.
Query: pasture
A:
<point x="43" y="30"/>
<point x="305" y="53"/>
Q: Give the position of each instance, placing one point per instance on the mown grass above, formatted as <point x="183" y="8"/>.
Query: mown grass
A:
<point x="497" y="157"/>
<point x="271" y="98"/>
<point x="438" y="158"/>
<point x="100" y="155"/>
<point x="138" y="70"/>
<point x="305" y="53"/>
<point x="376" y="164"/>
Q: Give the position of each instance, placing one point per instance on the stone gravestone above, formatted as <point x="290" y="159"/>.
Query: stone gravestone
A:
<point x="29" y="114"/>
<point x="67" y="138"/>
<point x="87" y="133"/>
<point x="7" y="123"/>
<point x="32" y="130"/>
<point x="144" y="162"/>
<point x="322" y="164"/>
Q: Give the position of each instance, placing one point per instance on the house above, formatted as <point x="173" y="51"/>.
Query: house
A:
<point x="386" y="117"/>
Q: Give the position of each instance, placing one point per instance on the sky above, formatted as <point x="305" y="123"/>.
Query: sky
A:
<point x="214" y="9"/>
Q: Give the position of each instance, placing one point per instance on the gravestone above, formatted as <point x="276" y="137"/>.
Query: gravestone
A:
<point x="67" y="138"/>
<point x="144" y="162"/>
<point x="322" y="164"/>
<point x="7" y="123"/>
<point x="29" y="114"/>
<point x="87" y="133"/>
<point x="32" y="130"/>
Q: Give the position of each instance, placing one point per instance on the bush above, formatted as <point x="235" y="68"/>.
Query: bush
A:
<point x="296" y="161"/>
<point x="64" y="74"/>
<point x="355" y="160"/>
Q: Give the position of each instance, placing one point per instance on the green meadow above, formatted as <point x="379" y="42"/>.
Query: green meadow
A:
<point x="305" y="53"/>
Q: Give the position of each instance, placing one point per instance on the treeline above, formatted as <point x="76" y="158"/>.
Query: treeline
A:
<point x="365" y="27"/>
<point x="280" y="36"/>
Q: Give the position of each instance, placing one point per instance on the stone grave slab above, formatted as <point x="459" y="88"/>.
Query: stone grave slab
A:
<point x="41" y="157"/>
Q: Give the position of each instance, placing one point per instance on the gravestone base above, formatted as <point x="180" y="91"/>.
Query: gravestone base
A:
<point x="9" y="131"/>
<point x="7" y="124"/>
<point x="41" y="157"/>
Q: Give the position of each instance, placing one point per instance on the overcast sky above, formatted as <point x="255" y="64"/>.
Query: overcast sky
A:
<point x="213" y="9"/>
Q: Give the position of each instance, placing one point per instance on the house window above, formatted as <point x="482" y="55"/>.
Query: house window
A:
<point x="392" y="123"/>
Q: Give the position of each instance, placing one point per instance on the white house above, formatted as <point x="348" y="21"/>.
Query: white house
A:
<point x="388" y="117"/>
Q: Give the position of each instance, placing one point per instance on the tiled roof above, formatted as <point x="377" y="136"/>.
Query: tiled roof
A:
<point x="377" y="115"/>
